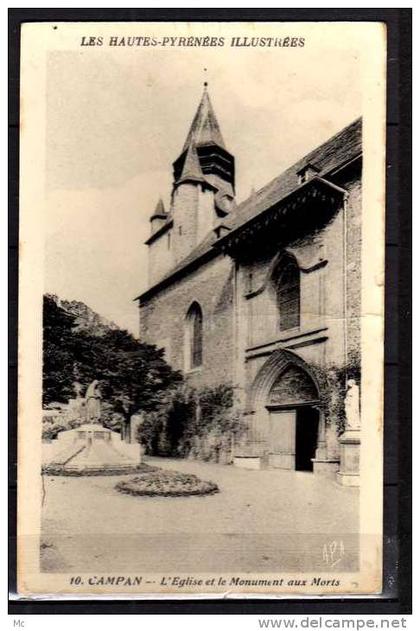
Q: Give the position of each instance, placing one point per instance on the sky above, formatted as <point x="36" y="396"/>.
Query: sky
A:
<point x="117" y="119"/>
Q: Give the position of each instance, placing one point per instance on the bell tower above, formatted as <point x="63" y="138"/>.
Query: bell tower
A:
<point x="203" y="181"/>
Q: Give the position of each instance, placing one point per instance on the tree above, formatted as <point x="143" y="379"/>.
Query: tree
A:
<point x="58" y="378"/>
<point x="136" y="375"/>
<point x="133" y="376"/>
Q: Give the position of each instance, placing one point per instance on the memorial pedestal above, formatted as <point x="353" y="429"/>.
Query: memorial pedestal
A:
<point x="349" y="474"/>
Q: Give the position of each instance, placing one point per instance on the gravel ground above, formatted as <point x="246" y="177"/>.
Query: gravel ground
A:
<point x="260" y="521"/>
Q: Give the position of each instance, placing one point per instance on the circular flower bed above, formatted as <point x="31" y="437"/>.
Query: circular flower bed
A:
<point x="167" y="484"/>
<point x="59" y="469"/>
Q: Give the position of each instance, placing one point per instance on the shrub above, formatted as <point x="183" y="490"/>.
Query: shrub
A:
<point x="51" y="427"/>
<point x="166" y="484"/>
<point x="110" y="419"/>
<point x="214" y="424"/>
<point x="150" y="431"/>
<point x="193" y="423"/>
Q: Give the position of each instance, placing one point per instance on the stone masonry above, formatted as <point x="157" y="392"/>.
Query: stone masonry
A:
<point x="228" y="259"/>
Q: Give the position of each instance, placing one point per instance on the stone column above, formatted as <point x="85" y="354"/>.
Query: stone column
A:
<point x="136" y="446"/>
<point x="323" y="465"/>
<point x="321" y="450"/>
<point x="125" y="431"/>
<point x="136" y="421"/>
<point x="248" y="453"/>
<point x="349" y="473"/>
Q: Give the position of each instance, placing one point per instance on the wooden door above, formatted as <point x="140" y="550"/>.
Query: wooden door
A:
<point x="282" y="439"/>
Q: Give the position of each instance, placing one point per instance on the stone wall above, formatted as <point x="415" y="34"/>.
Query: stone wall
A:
<point x="329" y="330"/>
<point x="162" y="321"/>
<point x="238" y="339"/>
<point x="160" y="257"/>
<point x="323" y="307"/>
<point x="193" y="215"/>
<point x="184" y="209"/>
<point x="320" y="339"/>
<point x="261" y="304"/>
<point x="354" y="269"/>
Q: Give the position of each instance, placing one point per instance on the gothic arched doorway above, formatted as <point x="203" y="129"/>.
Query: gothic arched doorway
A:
<point x="286" y="403"/>
<point x="293" y="420"/>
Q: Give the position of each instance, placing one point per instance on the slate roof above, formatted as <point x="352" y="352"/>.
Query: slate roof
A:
<point x="328" y="157"/>
<point x="341" y="148"/>
<point x="191" y="169"/>
<point x="204" y="129"/>
<point x="159" y="210"/>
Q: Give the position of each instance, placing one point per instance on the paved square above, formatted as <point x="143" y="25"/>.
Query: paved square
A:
<point x="261" y="521"/>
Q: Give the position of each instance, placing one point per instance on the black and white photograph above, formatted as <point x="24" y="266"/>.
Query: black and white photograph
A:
<point x="201" y="308"/>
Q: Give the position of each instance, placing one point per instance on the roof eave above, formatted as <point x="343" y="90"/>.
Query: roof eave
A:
<point x="158" y="216"/>
<point x="282" y="202"/>
<point x="167" y="280"/>
<point x="159" y="232"/>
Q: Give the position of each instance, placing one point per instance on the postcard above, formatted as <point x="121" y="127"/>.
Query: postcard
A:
<point x="201" y="312"/>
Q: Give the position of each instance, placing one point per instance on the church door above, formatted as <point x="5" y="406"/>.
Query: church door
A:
<point x="282" y="439"/>
<point x="293" y="426"/>
<point x="306" y="437"/>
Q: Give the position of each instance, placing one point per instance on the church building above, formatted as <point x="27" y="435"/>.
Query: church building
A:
<point x="264" y="294"/>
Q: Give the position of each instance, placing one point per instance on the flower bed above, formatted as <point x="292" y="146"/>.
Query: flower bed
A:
<point x="166" y="484"/>
<point x="58" y="469"/>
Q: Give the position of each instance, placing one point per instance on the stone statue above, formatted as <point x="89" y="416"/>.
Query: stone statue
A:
<point x="78" y="389"/>
<point x="352" y="405"/>
<point x="93" y="402"/>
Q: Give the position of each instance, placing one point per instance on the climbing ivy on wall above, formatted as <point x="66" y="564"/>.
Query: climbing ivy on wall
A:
<point x="332" y="380"/>
<point x="202" y="423"/>
<point x="193" y="423"/>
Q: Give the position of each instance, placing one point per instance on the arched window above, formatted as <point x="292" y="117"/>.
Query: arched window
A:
<point x="194" y="337"/>
<point x="287" y="280"/>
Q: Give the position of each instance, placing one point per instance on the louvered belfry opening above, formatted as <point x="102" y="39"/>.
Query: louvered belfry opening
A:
<point x="211" y="156"/>
<point x="288" y="294"/>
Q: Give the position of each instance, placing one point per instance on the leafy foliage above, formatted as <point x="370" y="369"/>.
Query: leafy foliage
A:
<point x="57" y="352"/>
<point x="195" y="423"/>
<point x="52" y="427"/>
<point x="133" y="376"/>
<point x="333" y="381"/>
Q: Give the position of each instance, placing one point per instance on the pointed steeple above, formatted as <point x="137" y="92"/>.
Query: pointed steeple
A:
<point x="191" y="169"/>
<point x="204" y="182"/>
<point x="204" y="129"/>
<point x="204" y="157"/>
<point x="160" y="212"/>
<point x="159" y="217"/>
